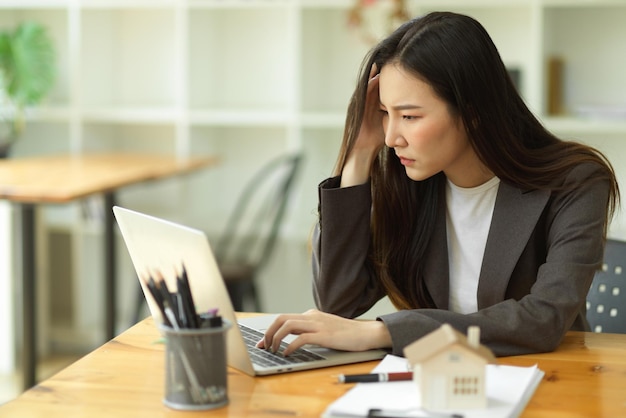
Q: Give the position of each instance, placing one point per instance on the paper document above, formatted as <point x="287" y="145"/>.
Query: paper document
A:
<point x="509" y="388"/>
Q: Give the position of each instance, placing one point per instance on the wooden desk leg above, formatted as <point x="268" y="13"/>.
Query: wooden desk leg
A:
<point x="110" y="265"/>
<point x="29" y="299"/>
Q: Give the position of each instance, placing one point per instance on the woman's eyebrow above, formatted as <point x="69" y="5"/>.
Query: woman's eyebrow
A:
<point x="406" y="107"/>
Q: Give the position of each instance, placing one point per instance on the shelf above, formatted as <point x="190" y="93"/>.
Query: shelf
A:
<point x="131" y="137"/>
<point x="238" y="117"/>
<point x="127" y="4"/>
<point x="34" y="4"/>
<point x="327" y="4"/>
<point x="238" y="4"/>
<point x="323" y="119"/>
<point x="592" y="75"/>
<point x="248" y="79"/>
<point x="580" y="126"/>
<point x="49" y="114"/>
<point x="129" y="57"/>
<point x="234" y="68"/>
<point x="156" y="115"/>
<point x="581" y="3"/>
<point x="330" y="60"/>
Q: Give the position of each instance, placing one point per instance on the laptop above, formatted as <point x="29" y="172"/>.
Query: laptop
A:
<point x="156" y="244"/>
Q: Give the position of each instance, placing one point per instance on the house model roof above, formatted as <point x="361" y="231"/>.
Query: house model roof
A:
<point x="443" y="338"/>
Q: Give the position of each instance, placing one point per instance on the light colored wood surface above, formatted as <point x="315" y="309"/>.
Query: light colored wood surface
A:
<point x="585" y="377"/>
<point x="62" y="178"/>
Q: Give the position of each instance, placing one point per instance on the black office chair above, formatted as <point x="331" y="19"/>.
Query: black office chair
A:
<point x="606" y="301"/>
<point x="249" y="238"/>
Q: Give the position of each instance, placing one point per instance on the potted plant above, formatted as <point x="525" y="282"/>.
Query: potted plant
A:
<point x="27" y="73"/>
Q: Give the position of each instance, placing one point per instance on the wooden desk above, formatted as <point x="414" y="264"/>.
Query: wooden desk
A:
<point x="62" y="179"/>
<point x="585" y="377"/>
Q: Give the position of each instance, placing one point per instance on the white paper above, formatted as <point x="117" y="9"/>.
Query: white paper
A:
<point x="508" y="390"/>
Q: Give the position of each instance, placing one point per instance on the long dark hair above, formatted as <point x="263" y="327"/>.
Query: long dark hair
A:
<point x="456" y="56"/>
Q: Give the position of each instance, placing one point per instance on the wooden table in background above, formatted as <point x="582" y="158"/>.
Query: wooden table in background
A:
<point x="584" y="377"/>
<point x="65" y="178"/>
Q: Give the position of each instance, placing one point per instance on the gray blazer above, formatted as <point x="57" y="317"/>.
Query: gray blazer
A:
<point x="542" y="252"/>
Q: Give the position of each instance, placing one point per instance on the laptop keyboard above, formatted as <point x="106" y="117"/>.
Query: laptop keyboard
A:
<point x="265" y="358"/>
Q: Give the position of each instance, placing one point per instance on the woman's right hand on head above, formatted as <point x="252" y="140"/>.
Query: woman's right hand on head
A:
<point x="370" y="140"/>
<point x="371" y="135"/>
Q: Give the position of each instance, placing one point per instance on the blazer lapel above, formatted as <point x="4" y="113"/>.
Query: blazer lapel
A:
<point x="436" y="270"/>
<point x="514" y="218"/>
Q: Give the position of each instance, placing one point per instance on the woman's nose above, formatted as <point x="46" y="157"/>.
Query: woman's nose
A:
<point x="393" y="137"/>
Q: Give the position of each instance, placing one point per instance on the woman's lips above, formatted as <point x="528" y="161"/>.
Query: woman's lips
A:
<point x="405" y="161"/>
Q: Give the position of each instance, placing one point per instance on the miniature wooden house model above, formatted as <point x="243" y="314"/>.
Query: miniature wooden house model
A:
<point x="449" y="369"/>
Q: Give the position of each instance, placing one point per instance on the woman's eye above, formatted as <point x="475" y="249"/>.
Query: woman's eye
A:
<point x="409" y="117"/>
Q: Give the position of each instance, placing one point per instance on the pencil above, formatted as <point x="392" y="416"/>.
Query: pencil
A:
<point x="156" y="295"/>
<point x="185" y="290"/>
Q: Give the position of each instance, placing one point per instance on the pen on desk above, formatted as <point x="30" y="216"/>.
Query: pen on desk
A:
<point x="374" y="377"/>
<point x="391" y="413"/>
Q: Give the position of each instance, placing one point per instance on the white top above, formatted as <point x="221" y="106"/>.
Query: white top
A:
<point x="468" y="218"/>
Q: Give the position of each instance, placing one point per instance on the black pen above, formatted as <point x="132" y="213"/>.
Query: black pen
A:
<point x="169" y="302"/>
<point x="158" y="298"/>
<point x="390" y="413"/>
<point x="374" y="377"/>
<point x="161" y="286"/>
<point x="181" y="308"/>
<point x="185" y="289"/>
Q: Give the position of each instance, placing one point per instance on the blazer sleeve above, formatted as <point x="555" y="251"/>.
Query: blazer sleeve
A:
<point x="572" y="228"/>
<point x="342" y="281"/>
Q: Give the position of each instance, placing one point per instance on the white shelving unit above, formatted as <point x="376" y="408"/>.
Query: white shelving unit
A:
<point x="249" y="79"/>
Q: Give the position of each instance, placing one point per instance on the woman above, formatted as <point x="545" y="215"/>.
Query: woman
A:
<point x="452" y="199"/>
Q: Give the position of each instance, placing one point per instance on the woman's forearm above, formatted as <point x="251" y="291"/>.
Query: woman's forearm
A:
<point x="357" y="168"/>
